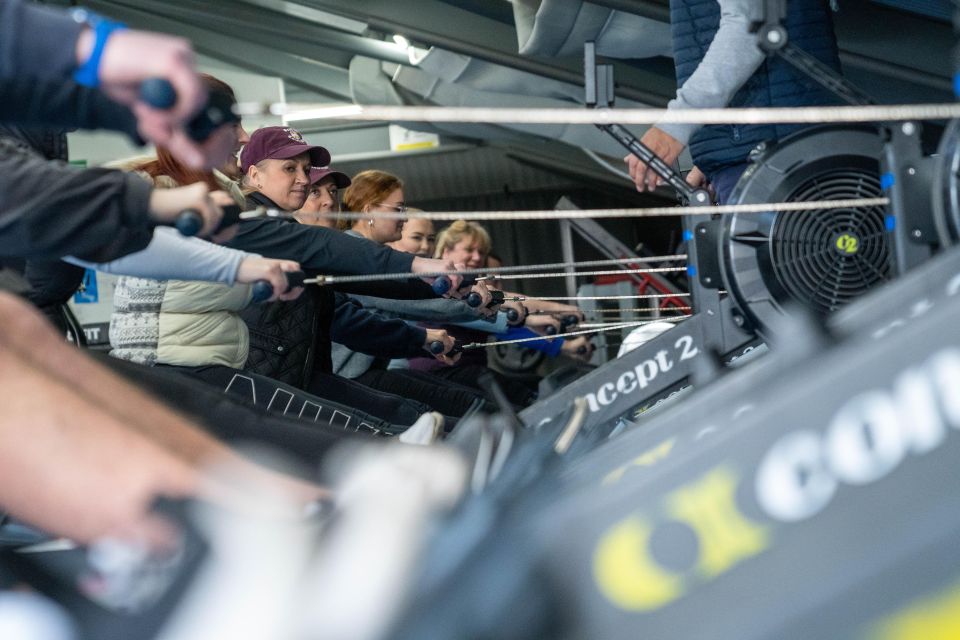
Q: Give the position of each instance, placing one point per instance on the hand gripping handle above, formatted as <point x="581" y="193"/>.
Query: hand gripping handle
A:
<point x="189" y="222"/>
<point x="263" y="290"/>
<point x="218" y="110"/>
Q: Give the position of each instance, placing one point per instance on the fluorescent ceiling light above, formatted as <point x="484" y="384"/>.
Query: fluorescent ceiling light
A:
<point x="323" y="113"/>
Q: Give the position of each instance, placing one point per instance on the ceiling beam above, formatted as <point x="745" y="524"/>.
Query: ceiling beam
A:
<point x="283" y="31"/>
<point x="332" y="82"/>
<point x="436" y="23"/>
<point x="300" y="12"/>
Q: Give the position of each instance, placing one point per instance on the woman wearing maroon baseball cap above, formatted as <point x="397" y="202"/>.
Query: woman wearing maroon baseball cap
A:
<point x="276" y="167"/>
<point x="323" y="198"/>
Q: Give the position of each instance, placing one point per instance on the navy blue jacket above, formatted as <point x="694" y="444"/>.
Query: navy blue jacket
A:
<point x="362" y="330"/>
<point x="775" y="84"/>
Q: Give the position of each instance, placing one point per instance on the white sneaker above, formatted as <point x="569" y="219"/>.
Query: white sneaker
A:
<point x="426" y="430"/>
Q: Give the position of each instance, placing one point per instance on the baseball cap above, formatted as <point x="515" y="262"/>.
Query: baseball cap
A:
<point x="280" y="143"/>
<point x="317" y="174"/>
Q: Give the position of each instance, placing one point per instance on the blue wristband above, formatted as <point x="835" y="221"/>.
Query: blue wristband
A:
<point x="88" y="74"/>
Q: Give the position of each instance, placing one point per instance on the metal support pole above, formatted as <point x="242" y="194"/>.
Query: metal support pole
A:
<point x="566" y="244"/>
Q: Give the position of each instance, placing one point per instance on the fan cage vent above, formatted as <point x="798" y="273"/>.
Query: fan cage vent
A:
<point x="824" y="258"/>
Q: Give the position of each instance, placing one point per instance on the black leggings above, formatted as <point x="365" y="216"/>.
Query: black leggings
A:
<point x="516" y="390"/>
<point x="284" y="399"/>
<point x="232" y="419"/>
<point x="388" y="406"/>
<point x="447" y="398"/>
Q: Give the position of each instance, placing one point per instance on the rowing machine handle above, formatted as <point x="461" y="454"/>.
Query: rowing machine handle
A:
<point x="441" y="284"/>
<point x="295" y="279"/>
<point x="263" y="290"/>
<point x="189" y="222"/>
<point x="218" y="110"/>
<point x="158" y="93"/>
<point x="436" y="348"/>
<point x="474" y="299"/>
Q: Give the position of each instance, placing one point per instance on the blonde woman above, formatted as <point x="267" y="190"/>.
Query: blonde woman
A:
<point x="417" y="237"/>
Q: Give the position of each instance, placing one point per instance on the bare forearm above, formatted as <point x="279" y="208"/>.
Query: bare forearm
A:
<point x="68" y="467"/>
<point x="25" y="331"/>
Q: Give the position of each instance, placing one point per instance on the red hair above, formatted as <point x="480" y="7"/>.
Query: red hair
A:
<point x="167" y="165"/>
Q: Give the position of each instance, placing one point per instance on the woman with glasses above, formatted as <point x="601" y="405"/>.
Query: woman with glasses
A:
<point x="375" y="191"/>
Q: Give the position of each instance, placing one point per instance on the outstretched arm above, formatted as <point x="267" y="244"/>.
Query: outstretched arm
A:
<point x="83" y="452"/>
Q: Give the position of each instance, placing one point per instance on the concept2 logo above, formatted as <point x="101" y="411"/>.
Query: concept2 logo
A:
<point x="847" y="244"/>
<point x="643" y="374"/>
<point x="794" y="479"/>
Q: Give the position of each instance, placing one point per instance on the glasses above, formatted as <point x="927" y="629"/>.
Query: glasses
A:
<point x="399" y="208"/>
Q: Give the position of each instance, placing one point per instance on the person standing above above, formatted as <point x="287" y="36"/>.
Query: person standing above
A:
<point x="719" y="64"/>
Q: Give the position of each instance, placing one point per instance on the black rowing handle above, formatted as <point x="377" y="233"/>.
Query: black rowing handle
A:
<point x="569" y="321"/>
<point x="436" y="348"/>
<point x="263" y="290"/>
<point x="218" y="110"/>
<point x="441" y="285"/>
<point x="189" y="222"/>
<point x="474" y="299"/>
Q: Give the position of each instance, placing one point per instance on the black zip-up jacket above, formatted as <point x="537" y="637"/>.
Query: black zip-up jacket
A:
<point x="289" y="340"/>
<point x="36" y="41"/>
<point x="49" y="210"/>
<point x="52" y="282"/>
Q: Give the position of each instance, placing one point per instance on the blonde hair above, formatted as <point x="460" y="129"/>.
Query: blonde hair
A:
<point x="367" y="188"/>
<point x="246" y="186"/>
<point x="459" y="230"/>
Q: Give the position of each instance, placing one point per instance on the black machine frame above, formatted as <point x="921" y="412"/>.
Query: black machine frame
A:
<point x="718" y="328"/>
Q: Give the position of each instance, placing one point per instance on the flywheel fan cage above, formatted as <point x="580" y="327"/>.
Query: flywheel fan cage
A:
<point x="826" y="258"/>
<point x="820" y="259"/>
